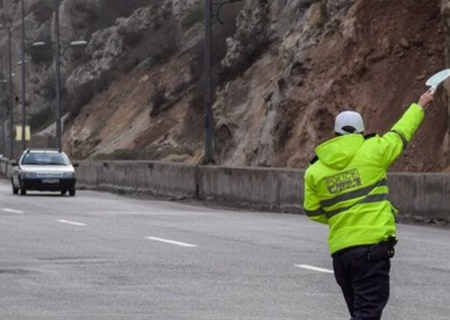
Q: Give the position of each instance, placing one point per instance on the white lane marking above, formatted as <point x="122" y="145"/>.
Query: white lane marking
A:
<point x="172" y="242"/>
<point x="11" y="210"/>
<point x="79" y="224"/>
<point x="305" y="266"/>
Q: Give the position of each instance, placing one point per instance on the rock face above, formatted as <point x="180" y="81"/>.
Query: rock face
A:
<point x="324" y="59"/>
<point x="79" y="19"/>
<point x="109" y="50"/>
<point x="283" y="70"/>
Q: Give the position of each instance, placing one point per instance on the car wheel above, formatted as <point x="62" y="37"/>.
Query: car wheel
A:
<point x="23" y="191"/>
<point x="72" y="193"/>
<point x="63" y="192"/>
<point x="14" y="189"/>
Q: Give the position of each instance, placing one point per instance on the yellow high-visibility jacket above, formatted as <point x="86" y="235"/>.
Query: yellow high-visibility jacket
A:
<point x="346" y="184"/>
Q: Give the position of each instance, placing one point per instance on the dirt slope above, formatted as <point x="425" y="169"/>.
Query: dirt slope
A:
<point x="378" y="64"/>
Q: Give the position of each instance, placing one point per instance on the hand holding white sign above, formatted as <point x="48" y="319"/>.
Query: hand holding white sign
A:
<point x="437" y="79"/>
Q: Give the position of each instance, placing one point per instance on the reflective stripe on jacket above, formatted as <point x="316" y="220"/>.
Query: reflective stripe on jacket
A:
<point x="346" y="187"/>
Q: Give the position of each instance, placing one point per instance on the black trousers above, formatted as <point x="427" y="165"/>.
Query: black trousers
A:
<point x="364" y="283"/>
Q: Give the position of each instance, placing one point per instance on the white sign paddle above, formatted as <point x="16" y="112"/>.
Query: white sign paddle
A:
<point x="437" y="79"/>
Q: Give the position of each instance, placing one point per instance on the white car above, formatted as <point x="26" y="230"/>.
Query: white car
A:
<point x="44" y="170"/>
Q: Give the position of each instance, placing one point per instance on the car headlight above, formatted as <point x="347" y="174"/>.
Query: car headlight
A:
<point x="68" y="175"/>
<point x="29" y="175"/>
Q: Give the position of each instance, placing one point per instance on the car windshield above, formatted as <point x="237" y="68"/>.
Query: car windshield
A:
<point x="45" y="159"/>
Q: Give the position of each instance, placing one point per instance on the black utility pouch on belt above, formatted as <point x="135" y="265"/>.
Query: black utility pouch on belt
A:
<point x="383" y="250"/>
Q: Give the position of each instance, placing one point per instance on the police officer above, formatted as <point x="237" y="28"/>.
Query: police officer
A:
<point x="346" y="188"/>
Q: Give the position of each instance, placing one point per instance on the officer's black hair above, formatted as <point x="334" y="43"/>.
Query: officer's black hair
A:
<point x="349" y="129"/>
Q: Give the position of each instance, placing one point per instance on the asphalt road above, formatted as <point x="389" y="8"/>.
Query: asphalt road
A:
<point x="103" y="256"/>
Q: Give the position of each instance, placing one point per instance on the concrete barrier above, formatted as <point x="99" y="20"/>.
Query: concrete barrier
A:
<point x="156" y="178"/>
<point x="418" y="196"/>
<point x="279" y="189"/>
<point x="421" y="196"/>
<point x="5" y="168"/>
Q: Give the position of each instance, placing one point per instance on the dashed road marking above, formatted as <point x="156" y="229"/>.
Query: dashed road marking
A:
<point x="78" y="224"/>
<point x="305" y="266"/>
<point x="172" y="242"/>
<point x="11" y="210"/>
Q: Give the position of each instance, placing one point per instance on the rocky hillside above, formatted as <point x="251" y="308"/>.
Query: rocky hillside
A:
<point x="282" y="71"/>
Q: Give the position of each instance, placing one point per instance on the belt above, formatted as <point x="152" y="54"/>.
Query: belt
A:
<point x="345" y="250"/>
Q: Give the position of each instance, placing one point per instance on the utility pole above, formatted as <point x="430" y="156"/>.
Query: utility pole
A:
<point x="11" y="108"/>
<point x="24" y="143"/>
<point x="4" y="105"/>
<point x="208" y="86"/>
<point x="210" y="13"/>
<point x="58" y="79"/>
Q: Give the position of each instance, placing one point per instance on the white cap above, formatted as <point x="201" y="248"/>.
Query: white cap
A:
<point x="349" y="122"/>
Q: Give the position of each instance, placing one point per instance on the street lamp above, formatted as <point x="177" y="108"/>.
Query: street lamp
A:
<point x="58" y="79"/>
<point x="38" y="44"/>
<point x="58" y="73"/>
<point x="74" y="44"/>
<point x="77" y="43"/>
<point x="208" y="78"/>
<point x="58" y="53"/>
<point x="24" y="143"/>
